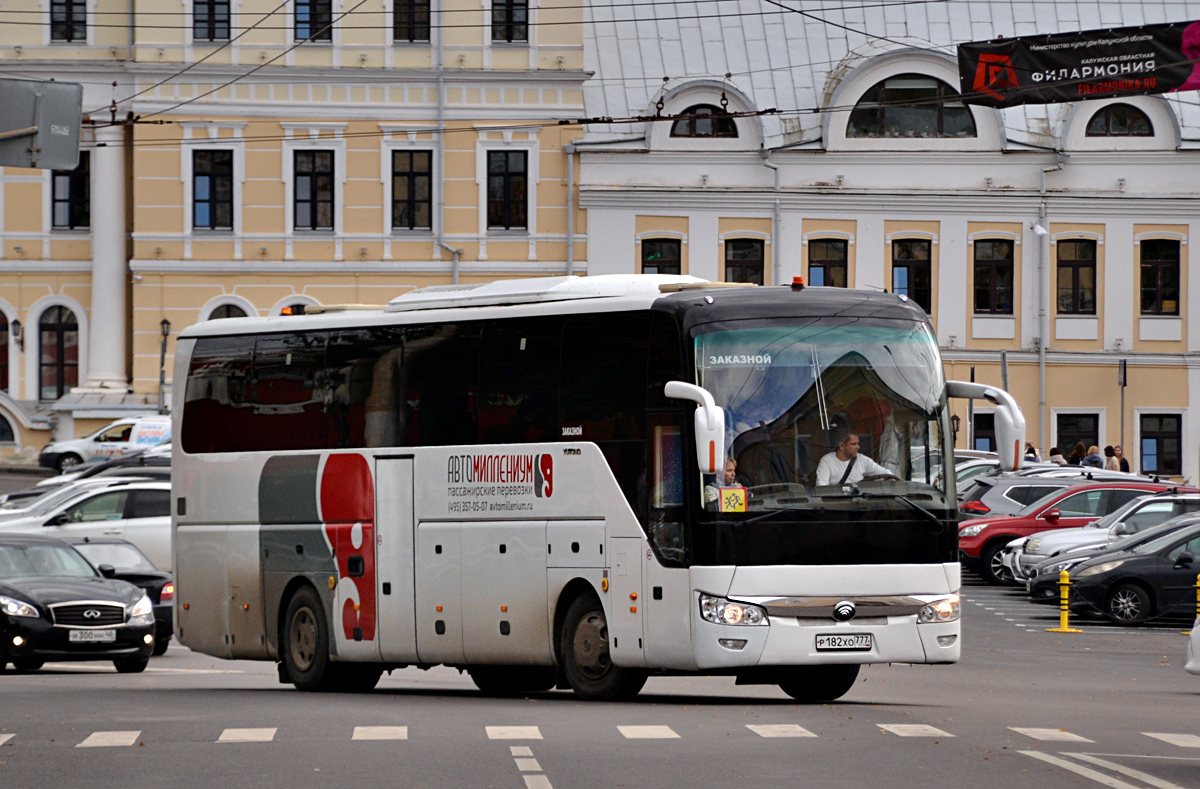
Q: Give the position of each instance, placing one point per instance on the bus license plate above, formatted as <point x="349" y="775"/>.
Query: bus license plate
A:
<point x="92" y="636"/>
<point x="837" y="643"/>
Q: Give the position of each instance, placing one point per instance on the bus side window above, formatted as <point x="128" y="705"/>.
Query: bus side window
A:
<point x="438" y="385"/>
<point x="518" y="380"/>
<point x="360" y="388"/>
<point x="289" y="405"/>
<point x="665" y="361"/>
<point x="217" y="417"/>
<point x="604" y="376"/>
<point x="665" y="524"/>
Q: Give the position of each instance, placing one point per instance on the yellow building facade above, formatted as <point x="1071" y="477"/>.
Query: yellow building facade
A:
<point x="245" y="157"/>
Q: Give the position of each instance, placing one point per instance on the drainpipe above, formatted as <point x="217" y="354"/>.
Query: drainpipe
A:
<point x="569" y="150"/>
<point x="776" y="266"/>
<point x="1042" y="230"/>
<point x="455" y="253"/>
<point x="441" y="142"/>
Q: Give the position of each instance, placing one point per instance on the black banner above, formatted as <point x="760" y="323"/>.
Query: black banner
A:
<point x="1093" y="64"/>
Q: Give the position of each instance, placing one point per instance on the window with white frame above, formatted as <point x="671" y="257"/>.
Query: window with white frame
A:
<point x="313" y="189"/>
<point x="412" y="190"/>
<point x="911" y="105"/>
<point x="1161" y="440"/>
<point x="212" y="190"/>
<point x="70" y="195"/>
<point x="68" y="20"/>
<point x="510" y="21"/>
<point x="507" y="190"/>
<point x="210" y="20"/>
<point x="314" y="20"/>
<point x="410" y="20"/>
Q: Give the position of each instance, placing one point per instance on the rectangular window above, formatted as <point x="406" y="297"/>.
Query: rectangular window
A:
<point x="1161" y="439"/>
<point x="412" y="190"/>
<point x="744" y="260"/>
<point x="510" y="20"/>
<point x="210" y="20"/>
<point x="212" y="190"/>
<point x="912" y="271"/>
<point x="508" y="195"/>
<point x="661" y="255"/>
<point x="410" y="20"/>
<point x="1077" y="277"/>
<point x="827" y="263"/>
<point x="71" y="195"/>
<point x="985" y="432"/>
<point x="314" y="20"/>
<point x="68" y="20"/>
<point x="1077" y="429"/>
<point x="1160" y="277"/>
<point x="994" y="277"/>
<point x="313" y="193"/>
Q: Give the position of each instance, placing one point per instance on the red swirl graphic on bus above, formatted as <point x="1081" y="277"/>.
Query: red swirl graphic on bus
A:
<point x="348" y="510"/>
<point x="544" y="478"/>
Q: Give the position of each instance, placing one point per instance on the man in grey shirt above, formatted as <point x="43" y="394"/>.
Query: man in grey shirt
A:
<point x="832" y="470"/>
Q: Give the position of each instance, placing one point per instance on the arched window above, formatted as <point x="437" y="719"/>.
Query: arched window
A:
<point x="1119" y="120"/>
<point x="58" y="358"/>
<point x="227" y="311"/>
<point x="705" y="121"/>
<point x="911" y="105"/>
<point x="7" y="436"/>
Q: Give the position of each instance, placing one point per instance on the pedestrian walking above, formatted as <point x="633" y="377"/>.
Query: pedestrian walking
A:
<point x="1078" y="453"/>
<point x="1110" y="459"/>
<point x="1093" y="459"/>
<point x="1056" y="457"/>
<point x="1121" y="459"/>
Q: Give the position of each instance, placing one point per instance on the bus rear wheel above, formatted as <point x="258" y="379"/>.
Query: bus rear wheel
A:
<point x="306" y="642"/>
<point x="819" y="683"/>
<point x="586" y="659"/>
<point x="510" y="680"/>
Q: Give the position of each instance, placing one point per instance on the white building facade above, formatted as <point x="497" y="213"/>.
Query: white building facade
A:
<point x="1065" y="226"/>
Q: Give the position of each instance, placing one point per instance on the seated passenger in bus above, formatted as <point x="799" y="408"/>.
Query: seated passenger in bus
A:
<point x="729" y="478"/>
<point x="845" y="466"/>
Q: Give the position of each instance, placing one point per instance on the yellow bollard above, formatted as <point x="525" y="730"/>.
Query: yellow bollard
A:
<point x="1064" y="610"/>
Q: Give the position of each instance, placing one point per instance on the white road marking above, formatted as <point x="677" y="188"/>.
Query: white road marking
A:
<point x="380" y="733"/>
<point x="648" y="732"/>
<point x="537" y="782"/>
<point x="1086" y="772"/>
<point x="528" y="765"/>
<point x="913" y="730"/>
<point x="1132" y="773"/>
<point x="1182" y="740"/>
<point x="1049" y="735"/>
<point x="110" y="739"/>
<point x="779" y="730"/>
<point x="514" y="733"/>
<point x="520" y="750"/>
<point x="247" y="735"/>
<point x="5" y="738"/>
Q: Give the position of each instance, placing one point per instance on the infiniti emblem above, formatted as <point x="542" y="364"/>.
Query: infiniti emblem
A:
<point x="92" y="613"/>
<point x="844" y="611"/>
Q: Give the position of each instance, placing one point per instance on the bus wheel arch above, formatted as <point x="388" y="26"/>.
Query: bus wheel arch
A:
<point x="576" y="587"/>
<point x="304" y="637"/>
<point x="584" y="652"/>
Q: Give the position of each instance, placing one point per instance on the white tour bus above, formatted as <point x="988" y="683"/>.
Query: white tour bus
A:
<point x="529" y="480"/>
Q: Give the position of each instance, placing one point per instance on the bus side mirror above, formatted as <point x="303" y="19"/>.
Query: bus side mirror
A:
<point x="1010" y="422"/>
<point x="710" y="424"/>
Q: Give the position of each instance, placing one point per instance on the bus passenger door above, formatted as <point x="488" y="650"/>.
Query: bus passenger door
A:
<point x="625" y="599"/>
<point x="439" y="610"/>
<point x="394" y="559"/>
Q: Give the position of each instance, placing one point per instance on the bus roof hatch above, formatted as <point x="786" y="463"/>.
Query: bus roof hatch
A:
<point x="538" y="289"/>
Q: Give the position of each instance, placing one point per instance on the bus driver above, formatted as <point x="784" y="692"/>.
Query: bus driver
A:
<point x="845" y="466"/>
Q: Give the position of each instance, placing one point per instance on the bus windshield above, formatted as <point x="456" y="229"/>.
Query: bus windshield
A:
<point x="799" y="391"/>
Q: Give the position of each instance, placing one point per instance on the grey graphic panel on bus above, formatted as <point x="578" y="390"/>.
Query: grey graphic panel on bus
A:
<point x="287" y="489"/>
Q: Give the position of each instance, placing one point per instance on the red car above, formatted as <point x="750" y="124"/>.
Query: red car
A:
<point x="982" y="540"/>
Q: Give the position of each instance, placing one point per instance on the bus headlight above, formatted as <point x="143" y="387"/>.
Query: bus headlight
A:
<point x="945" y="609"/>
<point x="142" y="613"/>
<point x="17" y="608"/>
<point x="726" y="612"/>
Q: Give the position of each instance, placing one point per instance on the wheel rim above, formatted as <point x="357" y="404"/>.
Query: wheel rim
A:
<point x="303" y="641"/>
<point x="590" y="646"/>
<point x="1126" y="605"/>
<point x="997" y="566"/>
<point x="68" y="462"/>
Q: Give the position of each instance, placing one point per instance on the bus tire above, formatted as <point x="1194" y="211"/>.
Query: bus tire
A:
<point x="586" y="659"/>
<point x="306" y="642"/>
<point x="513" y="680"/>
<point x="812" y="684"/>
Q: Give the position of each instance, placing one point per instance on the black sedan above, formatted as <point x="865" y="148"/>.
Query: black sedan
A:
<point x="1154" y="579"/>
<point x="56" y="606"/>
<point x="120" y="559"/>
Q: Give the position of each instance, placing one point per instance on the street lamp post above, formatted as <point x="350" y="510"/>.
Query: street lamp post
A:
<point x="955" y="421"/>
<point x="165" y="325"/>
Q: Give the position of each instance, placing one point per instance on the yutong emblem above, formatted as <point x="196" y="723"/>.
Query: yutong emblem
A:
<point x="844" y="611"/>
<point x="92" y="613"/>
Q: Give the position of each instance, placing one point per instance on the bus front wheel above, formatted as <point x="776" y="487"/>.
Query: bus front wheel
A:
<point x="819" y="683"/>
<point x="586" y="659"/>
<point x="306" y="641"/>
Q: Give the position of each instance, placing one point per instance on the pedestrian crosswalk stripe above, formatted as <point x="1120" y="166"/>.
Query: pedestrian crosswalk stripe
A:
<point x="648" y="732"/>
<point x="1182" y="740"/>
<point x="110" y="739"/>
<point x="1086" y="772"/>
<point x="520" y="750"/>
<point x="1147" y="778"/>
<point x="779" y="730"/>
<point x="5" y="738"/>
<point x="528" y="765"/>
<point x="380" y="733"/>
<point x="247" y="735"/>
<point x="514" y="733"/>
<point x="1049" y="735"/>
<point x="537" y="782"/>
<point x="913" y="730"/>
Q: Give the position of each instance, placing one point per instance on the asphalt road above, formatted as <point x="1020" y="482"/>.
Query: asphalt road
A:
<point x="1024" y="708"/>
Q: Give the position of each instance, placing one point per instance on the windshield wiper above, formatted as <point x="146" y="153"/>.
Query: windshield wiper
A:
<point x="859" y="494"/>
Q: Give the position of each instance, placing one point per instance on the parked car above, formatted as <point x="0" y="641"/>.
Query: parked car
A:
<point x="1134" y="517"/>
<point x="132" y="464"/>
<point x="139" y="512"/>
<point x="1042" y="584"/>
<point x="55" y="606"/>
<point x="110" y="441"/>
<point x="981" y="542"/>
<point x="1004" y="495"/>
<point x="131" y="565"/>
<point x="53" y="497"/>
<point x="1154" y="579"/>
